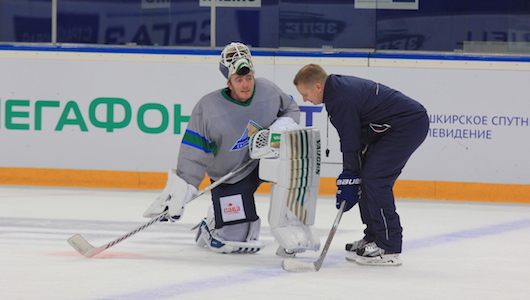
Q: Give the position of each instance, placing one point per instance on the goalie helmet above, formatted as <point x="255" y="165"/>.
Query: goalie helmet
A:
<point x="235" y="59"/>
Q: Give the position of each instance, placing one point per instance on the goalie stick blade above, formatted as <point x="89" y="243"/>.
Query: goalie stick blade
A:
<point x="296" y="266"/>
<point x="82" y="246"/>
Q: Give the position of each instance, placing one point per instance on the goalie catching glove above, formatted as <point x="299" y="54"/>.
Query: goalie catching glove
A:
<point x="266" y="143"/>
<point x="173" y="198"/>
<point x="348" y="189"/>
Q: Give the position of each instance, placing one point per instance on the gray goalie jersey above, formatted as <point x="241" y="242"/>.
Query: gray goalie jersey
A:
<point x="216" y="139"/>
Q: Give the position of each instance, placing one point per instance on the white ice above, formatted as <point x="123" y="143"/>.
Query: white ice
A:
<point x="452" y="250"/>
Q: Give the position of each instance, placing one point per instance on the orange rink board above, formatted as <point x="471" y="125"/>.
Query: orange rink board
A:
<point x="436" y="190"/>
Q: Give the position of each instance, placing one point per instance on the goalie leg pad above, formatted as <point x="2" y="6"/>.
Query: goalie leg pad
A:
<point x="292" y="226"/>
<point x="294" y="195"/>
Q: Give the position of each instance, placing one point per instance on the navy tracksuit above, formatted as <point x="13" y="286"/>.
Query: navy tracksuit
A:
<point x="392" y="126"/>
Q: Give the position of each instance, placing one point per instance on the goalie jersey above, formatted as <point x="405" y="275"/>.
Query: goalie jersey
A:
<point x="217" y="136"/>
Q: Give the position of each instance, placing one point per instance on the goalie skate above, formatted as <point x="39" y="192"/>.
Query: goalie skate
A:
<point x="281" y="251"/>
<point x="207" y="237"/>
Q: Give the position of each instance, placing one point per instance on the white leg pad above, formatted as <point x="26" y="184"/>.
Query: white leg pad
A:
<point x="292" y="226"/>
<point x="296" y="174"/>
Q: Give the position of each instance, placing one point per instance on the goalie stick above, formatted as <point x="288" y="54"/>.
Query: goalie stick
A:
<point x="81" y="245"/>
<point x="297" y="266"/>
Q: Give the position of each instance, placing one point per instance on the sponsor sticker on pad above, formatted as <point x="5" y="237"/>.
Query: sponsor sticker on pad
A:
<point x="232" y="208"/>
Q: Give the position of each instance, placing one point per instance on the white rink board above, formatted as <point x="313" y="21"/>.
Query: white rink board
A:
<point x="473" y="104"/>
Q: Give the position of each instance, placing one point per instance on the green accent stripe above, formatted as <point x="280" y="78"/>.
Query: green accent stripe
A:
<point x="193" y="139"/>
<point x="300" y="163"/>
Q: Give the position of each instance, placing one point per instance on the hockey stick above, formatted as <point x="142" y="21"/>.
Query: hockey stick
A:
<point x="81" y="245"/>
<point x="293" y="265"/>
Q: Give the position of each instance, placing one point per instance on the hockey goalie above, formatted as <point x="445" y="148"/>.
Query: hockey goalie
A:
<point x="248" y="129"/>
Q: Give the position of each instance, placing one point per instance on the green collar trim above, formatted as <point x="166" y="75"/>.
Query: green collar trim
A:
<point x="226" y="94"/>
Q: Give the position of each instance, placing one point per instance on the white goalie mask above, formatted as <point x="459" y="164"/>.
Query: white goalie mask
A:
<point x="235" y="59"/>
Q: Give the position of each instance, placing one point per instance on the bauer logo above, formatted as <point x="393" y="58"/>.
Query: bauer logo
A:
<point x="349" y="181"/>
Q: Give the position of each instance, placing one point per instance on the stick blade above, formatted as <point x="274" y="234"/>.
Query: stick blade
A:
<point x="82" y="246"/>
<point x="297" y="266"/>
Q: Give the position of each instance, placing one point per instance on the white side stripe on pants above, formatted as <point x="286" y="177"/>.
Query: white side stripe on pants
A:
<point x="386" y="225"/>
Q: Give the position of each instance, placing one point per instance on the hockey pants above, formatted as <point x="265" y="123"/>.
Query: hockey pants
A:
<point x="382" y="164"/>
<point x="246" y="189"/>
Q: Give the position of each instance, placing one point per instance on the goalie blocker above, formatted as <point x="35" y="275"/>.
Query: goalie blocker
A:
<point x="294" y="169"/>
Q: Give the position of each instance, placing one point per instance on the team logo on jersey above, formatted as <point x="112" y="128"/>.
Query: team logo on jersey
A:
<point x="251" y="128"/>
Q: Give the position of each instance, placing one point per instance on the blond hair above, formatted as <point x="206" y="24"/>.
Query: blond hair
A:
<point x="310" y="74"/>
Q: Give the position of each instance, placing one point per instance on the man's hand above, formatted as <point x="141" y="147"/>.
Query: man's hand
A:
<point x="348" y="189"/>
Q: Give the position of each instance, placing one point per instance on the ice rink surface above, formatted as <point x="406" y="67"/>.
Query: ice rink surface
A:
<point x="452" y="250"/>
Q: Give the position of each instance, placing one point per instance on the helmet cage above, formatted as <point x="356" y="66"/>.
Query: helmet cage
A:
<point x="235" y="59"/>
